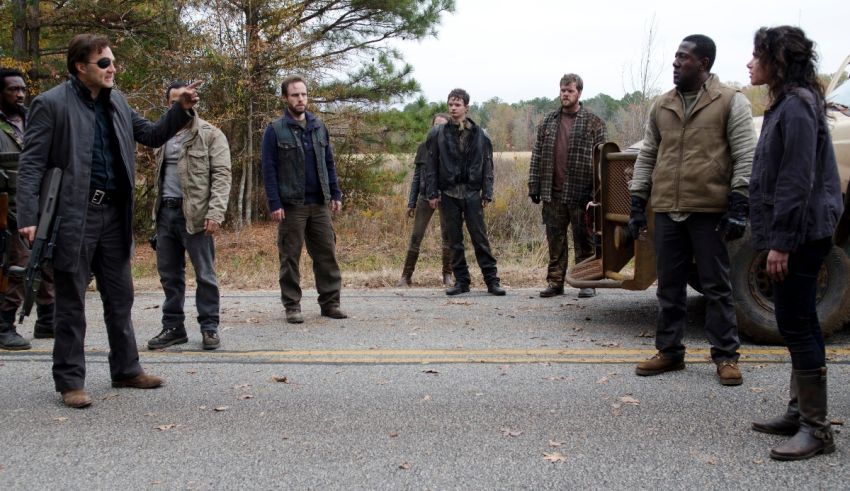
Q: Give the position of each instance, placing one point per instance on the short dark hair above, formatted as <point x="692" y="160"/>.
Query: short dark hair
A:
<point x="704" y="47"/>
<point x="177" y="84"/>
<point x="459" y="94"/>
<point x="440" y="115"/>
<point x="792" y="58"/>
<point x="284" y="86"/>
<point x="82" y="46"/>
<point x="572" y="78"/>
<point x="8" y="72"/>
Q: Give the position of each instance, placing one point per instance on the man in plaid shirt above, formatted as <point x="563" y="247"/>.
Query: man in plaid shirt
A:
<point x="561" y="176"/>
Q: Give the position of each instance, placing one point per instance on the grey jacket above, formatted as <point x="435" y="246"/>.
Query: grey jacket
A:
<point x="204" y="170"/>
<point x="60" y="133"/>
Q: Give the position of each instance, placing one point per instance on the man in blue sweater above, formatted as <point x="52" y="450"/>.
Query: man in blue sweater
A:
<point x="302" y="189"/>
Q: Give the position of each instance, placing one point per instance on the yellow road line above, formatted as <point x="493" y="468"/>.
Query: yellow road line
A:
<point x="461" y="355"/>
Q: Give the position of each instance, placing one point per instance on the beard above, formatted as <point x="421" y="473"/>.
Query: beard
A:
<point x="12" y="109"/>
<point x="296" y="111"/>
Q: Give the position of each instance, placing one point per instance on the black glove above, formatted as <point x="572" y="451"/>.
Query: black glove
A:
<point x="637" y="218"/>
<point x="535" y="198"/>
<point x="734" y="222"/>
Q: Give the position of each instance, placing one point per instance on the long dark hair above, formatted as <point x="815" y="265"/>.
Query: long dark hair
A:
<point x="790" y="55"/>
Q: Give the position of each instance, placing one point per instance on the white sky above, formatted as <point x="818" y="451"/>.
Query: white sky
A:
<point x="518" y="50"/>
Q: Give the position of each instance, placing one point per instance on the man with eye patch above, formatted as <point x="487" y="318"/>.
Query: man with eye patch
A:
<point x="86" y="128"/>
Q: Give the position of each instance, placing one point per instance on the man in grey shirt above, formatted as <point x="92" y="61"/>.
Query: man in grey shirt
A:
<point x="694" y="169"/>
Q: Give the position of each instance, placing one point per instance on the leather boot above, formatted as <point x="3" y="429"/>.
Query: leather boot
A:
<point x="787" y="424"/>
<point x="44" y="324"/>
<point x="9" y="337"/>
<point x="409" y="266"/>
<point x="815" y="435"/>
<point x="448" y="273"/>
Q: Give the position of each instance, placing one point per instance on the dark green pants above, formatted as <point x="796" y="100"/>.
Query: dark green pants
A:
<point x="557" y="217"/>
<point x="310" y="224"/>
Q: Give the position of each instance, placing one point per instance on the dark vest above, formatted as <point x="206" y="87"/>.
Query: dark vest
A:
<point x="290" y="161"/>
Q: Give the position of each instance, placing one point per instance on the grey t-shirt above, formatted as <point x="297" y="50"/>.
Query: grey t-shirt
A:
<point x="171" y="179"/>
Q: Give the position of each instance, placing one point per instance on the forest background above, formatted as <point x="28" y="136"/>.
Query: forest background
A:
<point x="357" y="83"/>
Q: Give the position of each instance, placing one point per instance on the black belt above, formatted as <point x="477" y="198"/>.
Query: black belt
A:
<point x="101" y="196"/>
<point x="172" y="202"/>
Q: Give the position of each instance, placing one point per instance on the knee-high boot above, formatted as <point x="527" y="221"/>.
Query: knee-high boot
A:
<point x="815" y="435"/>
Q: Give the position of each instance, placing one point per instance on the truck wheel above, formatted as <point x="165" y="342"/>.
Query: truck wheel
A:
<point x="752" y="291"/>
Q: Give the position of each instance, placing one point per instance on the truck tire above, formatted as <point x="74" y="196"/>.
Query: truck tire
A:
<point x="752" y="292"/>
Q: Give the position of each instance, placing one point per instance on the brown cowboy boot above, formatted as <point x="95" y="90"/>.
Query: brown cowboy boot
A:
<point x="409" y="266"/>
<point x="815" y="435"/>
<point x="787" y="424"/>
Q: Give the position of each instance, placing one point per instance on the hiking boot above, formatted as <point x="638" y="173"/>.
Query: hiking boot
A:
<point x="587" y="293"/>
<point x="9" y="337"/>
<point x="448" y="279"/>
<point x="552" y="291"/>
<point x="43" y="328"/>
<point x="334" y="313"/>
<point x="658" y="364"/>
<point x="728" y="373"/>
<point x="788" y="424"/>
<point x="815" y="435"/>
<point x="457" y="289"/>
<point x="76" y="398"/>
<point x="140" y="381"/>
<point x="210" y="339"/>
<point x="495" y="289"/>
<point x="168" y="337"/>
<point x="293" y="316"/>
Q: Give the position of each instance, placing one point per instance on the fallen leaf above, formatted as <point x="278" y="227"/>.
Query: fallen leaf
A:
<point x="149" y="414"/>
<point x="427" y="397"/>
<point x="109" y="396"/>
<point x="757" y="390"/>
<point x="252" y="320"/>
<point x="191" y="371"/>
<point x="282" y="379"/>
<point x="553" y="443"/>
<point x="645" y="334"/>
<point x="837" y="422"/>
<point x="404" y="465"/>
<point x="241" y="386"/>
<point x="629" y="400"/>
<point x="382" y="382"/>
<point x="430" y="370"/>
<point x="554" y="457"/>
<point x="245" y="397"/>
<point x="510" y="432"/>
<point x="221" y="408"/>
<point x="554" y="378"/>
<point x="393" y="434"/>
<point x="60" y="419"/>
<point x="758" y="461"/>
<point x="603" y="380"/>
<point x="712" y="461"/>
<point x="166" y="427"/>
<point x="156" y="482"/>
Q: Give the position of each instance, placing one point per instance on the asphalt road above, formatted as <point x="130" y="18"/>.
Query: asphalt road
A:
<point x="415" y="391"/>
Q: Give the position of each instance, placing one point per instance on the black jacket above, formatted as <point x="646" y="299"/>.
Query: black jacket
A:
<point x="60" y="133"/>
<point x="795" y="192"/>
<point x="447" y="166"/>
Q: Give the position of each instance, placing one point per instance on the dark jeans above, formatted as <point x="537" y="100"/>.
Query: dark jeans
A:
<point x="455" y="211"/>
<point x="310" y="224"/>
<point x="557" y="217"/>
<point x="19" y="255"/>
<point x="173" y="243"/>
<point x="676" y="245"/>
<point x="795" y="302"/>
<point x="104" y="254"/>
<point x="421" y="218"/>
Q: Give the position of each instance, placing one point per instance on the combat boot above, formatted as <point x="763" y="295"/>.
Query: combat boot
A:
<point x="789" y="423"/>
<point x="815" y="435"/>
<point x="9" y="337"/>
<point x="409" y="266"/>
<point x="44" y="324"/>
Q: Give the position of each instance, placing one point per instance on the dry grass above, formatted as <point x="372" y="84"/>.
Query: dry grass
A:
<point x="372" y="243"/>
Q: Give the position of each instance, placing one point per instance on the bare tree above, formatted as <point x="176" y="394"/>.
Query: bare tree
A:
<point x="642" y="85"/>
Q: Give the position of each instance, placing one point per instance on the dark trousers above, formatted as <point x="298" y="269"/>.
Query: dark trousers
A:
<point x="795" y="302"/>
<point x="104" y="254"/>
<point x="19" y="255"/>
<point x="173" y="243"/>
<point x="557" y="217"/>
<point x="310" y="224"/>
<point x="455" y="211"/>
<point x="421" y="218"/>
<point x="676" y="245"/>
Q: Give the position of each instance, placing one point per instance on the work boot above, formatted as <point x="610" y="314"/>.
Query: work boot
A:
<point x="43" y="328"/>
<point x="815" y="434"/>
<point x="9" y="337"/>
<point x="658" y="364"/>
<point x="728" y="373"/>
<point x="76" y="398"/>
<point x="210" y="339"/>
<point x="552" y="291"/>
<point x="168" y="337"/>
<point x="334" y="312"/>
<point x="458" y="288"/>
<point x="587" y="293"/>
<point x="409" y="266"/>
<point x="140" y="381"/>
<point x="495" y="289"/>
<point x="293" y="316"/>
<point x="789" y="423"/>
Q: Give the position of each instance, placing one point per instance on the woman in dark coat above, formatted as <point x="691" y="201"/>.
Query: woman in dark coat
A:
<point x="795" y="203"/>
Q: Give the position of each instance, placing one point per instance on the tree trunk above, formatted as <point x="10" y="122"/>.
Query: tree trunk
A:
<point x="19" y="29"/>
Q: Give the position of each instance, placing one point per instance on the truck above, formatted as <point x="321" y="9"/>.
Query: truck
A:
<point x="626" y="262"/>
